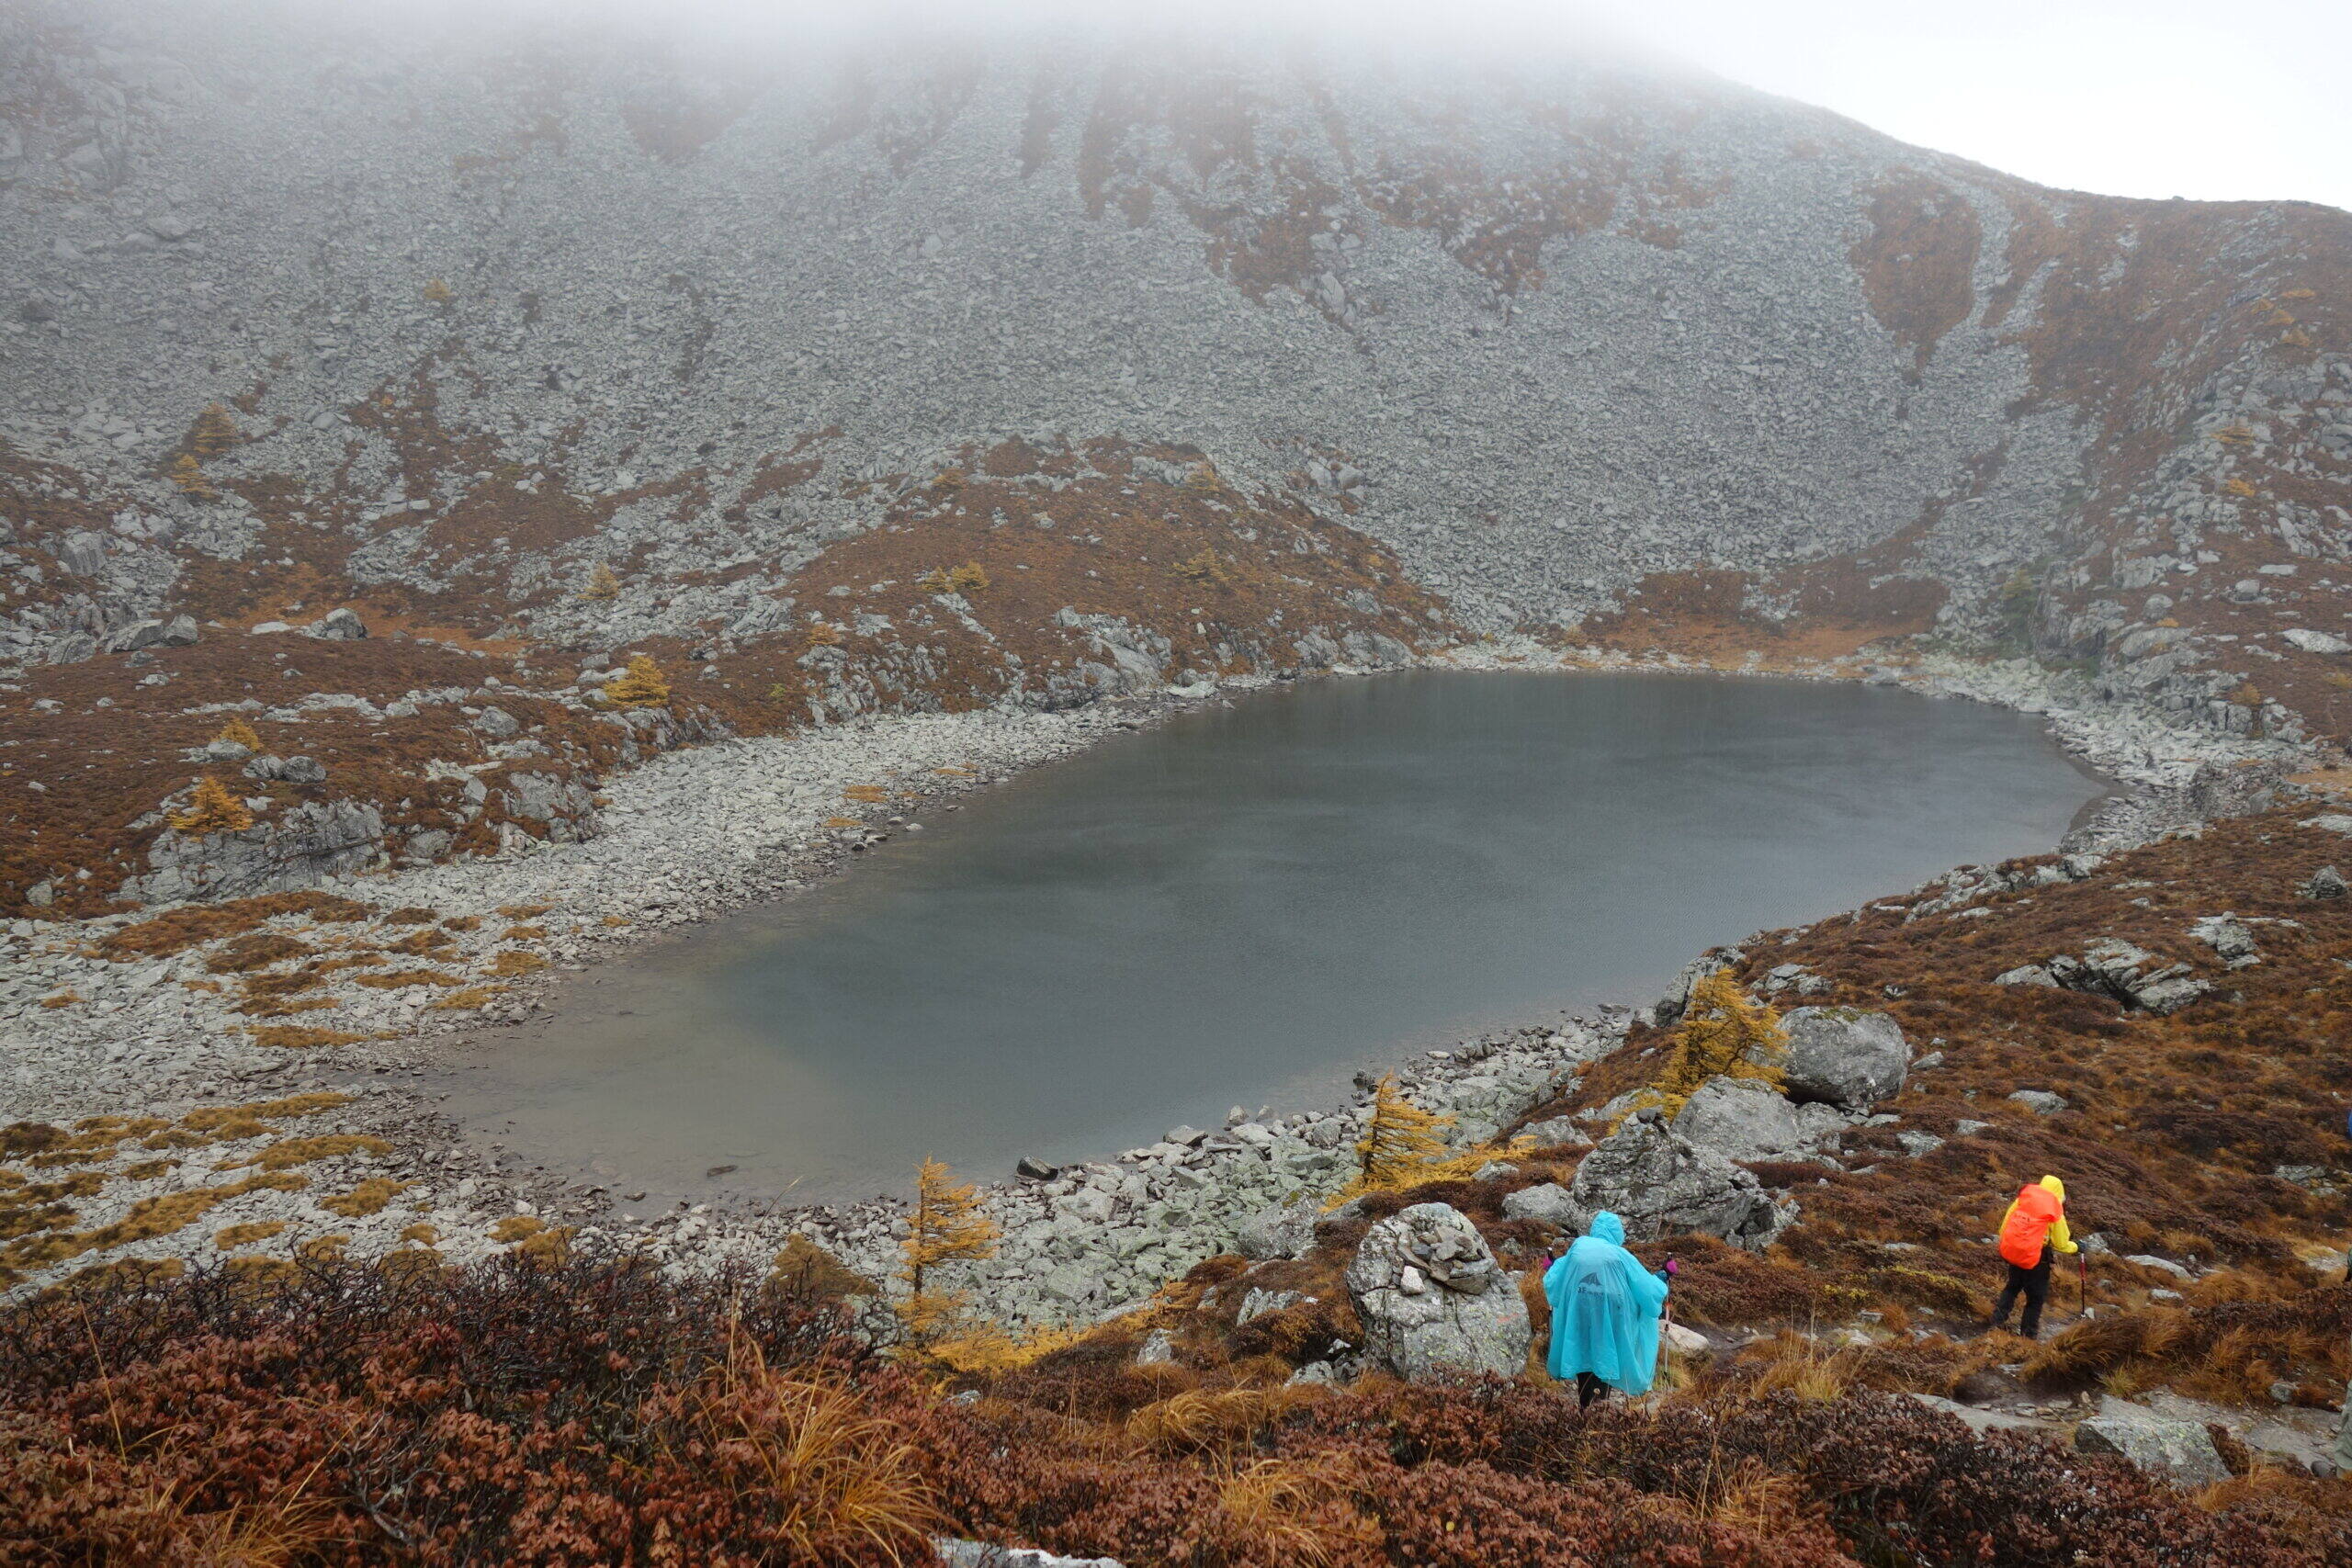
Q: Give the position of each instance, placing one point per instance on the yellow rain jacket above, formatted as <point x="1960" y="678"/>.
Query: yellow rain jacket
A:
<point x="2035" y="1215"/>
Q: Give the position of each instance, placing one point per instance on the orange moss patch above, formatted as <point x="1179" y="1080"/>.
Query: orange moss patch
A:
<point x="231" y="1237"/>
<point x="402" y="980"/>
<point x="370" y="1197"/>
<point x="302" y="1036"/>
<point x="288" y="1153"/>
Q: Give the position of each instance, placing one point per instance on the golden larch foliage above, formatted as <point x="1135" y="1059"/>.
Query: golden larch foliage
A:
<point x="1724" y="1033"/>
<point x="437" y="292"/>
<point x="215" y="432"/>
<point x="189" y="475"/>
<point x="946" y="1224"/>
<point x="239" y="732"/>
<point x="641" y="686"/>
<point x="602" y="583"/>
<point x="1400" y="1145"/>
<point x="968" y="578"/>
<point x="214" y="810"/>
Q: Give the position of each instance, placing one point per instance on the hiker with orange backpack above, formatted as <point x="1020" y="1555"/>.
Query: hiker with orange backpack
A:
<point x="2031" y="1231"/>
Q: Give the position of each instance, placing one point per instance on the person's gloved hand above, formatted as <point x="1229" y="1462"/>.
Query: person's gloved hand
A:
<point x="1672" y="1267"/>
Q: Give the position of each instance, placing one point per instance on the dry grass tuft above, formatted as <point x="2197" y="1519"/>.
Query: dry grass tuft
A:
<point x="1297" y="1511"/>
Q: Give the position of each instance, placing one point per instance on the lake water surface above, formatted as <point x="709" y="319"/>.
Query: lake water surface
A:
<point x="1246" y="906"/>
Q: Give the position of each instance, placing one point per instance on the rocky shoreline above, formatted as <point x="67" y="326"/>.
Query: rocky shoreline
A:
<point x="694" y="833"/>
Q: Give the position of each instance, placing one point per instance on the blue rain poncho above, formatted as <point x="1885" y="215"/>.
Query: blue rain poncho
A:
<point x="1605" y="1309"/>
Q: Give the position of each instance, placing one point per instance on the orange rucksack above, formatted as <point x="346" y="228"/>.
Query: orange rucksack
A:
<point x="2027" y="1227"/>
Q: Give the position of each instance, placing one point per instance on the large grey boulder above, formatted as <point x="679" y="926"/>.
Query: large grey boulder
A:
<point x="341" y="624"/>
<point x="1432" y="1298"/>
<point x="1286" y="1230"/>
<point x="1845" y="1055"/>
<point x="1749" y="1118"/>
<point x="1548" y="1202"/>
<point x="1659" y="1182"/>
<point x="304" y="846"/>
<point x="2179" y="1452"/>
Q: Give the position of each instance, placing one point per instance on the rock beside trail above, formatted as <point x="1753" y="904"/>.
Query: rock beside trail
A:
<point x="1432" y="1298"/>
<point x="2179" y="1452"/>
<point x="1286" y="1230"/>
<point x="957" y="1553"/>
<point x="337" y="626"/>
<point x="1845" y="1055"/>
<point x="1749" y="1118"/>
<point x="1549" y="1203"/>
<point x="1659" y="1182"/>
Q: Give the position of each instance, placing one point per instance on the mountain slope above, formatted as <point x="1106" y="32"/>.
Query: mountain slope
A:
<point x="1577" y="349"/>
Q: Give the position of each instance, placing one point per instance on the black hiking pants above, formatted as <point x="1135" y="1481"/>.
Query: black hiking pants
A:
<point x="1588" y="1388"/>
<point x="2034" y="1284"/>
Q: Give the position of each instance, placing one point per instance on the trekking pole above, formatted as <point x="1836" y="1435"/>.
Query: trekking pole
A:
<point x="2083" y="1284"/>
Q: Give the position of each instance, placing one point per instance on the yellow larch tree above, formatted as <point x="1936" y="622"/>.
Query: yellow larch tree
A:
<point x="641" y="686"/>
<point x="1401" y="1143"/>
<point x="213" y="810"/>
<point x="1724" y="1033"/>
<point x="215" y="432"/>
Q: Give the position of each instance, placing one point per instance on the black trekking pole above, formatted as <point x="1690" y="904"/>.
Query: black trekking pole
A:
<point x="2083" y="1285"/>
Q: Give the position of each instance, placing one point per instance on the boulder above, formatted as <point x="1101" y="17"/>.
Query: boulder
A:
<point x="2229" y="938"/>
<point x="1747" y="1119"/>
<point x="2041" y="1101"/>
<point x="1553" y="1130"/>
<point x="2179" y="1452"/>
<point x="1549" y="1203"/>
<point x="341" y="624"/>
<point x="1659" y="1182"/>
<point x="959" y="1553"/>
<point x="1845" y="1055"/>
<point x="2326" y="882"/>
<point x="1671" y="1006"/>
<point x="1260" y="1301"/>
<point x="136" y="636"/>
<point x="1432" y="1298"/>
<point x="2131" y="975"/>
<point x="497" y="724"/>
<point x="1286" y="1230"/>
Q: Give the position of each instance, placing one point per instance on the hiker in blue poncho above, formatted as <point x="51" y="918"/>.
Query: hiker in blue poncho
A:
<point x="1605" y="1310"/>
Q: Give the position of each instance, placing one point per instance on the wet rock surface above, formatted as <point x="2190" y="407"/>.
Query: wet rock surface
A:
<point x="1432" y="1298"/>
<point x="1658" y="1181"/>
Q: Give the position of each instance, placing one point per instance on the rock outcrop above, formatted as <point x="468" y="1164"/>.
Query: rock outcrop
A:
<point x="1845" y="1055"/>
<point x="1659" y="1182"/>
<point x="1432" y="1298"/>
<point x="1749" y="1118"/>
<point x="2113" y="968"/>
<point x="2179" y="1452"/>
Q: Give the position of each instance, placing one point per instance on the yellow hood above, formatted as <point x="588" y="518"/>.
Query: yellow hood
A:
<point x="2054" y="1186"/>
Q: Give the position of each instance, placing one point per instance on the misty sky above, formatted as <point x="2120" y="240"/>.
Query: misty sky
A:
<point x="2211" y="99"/>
